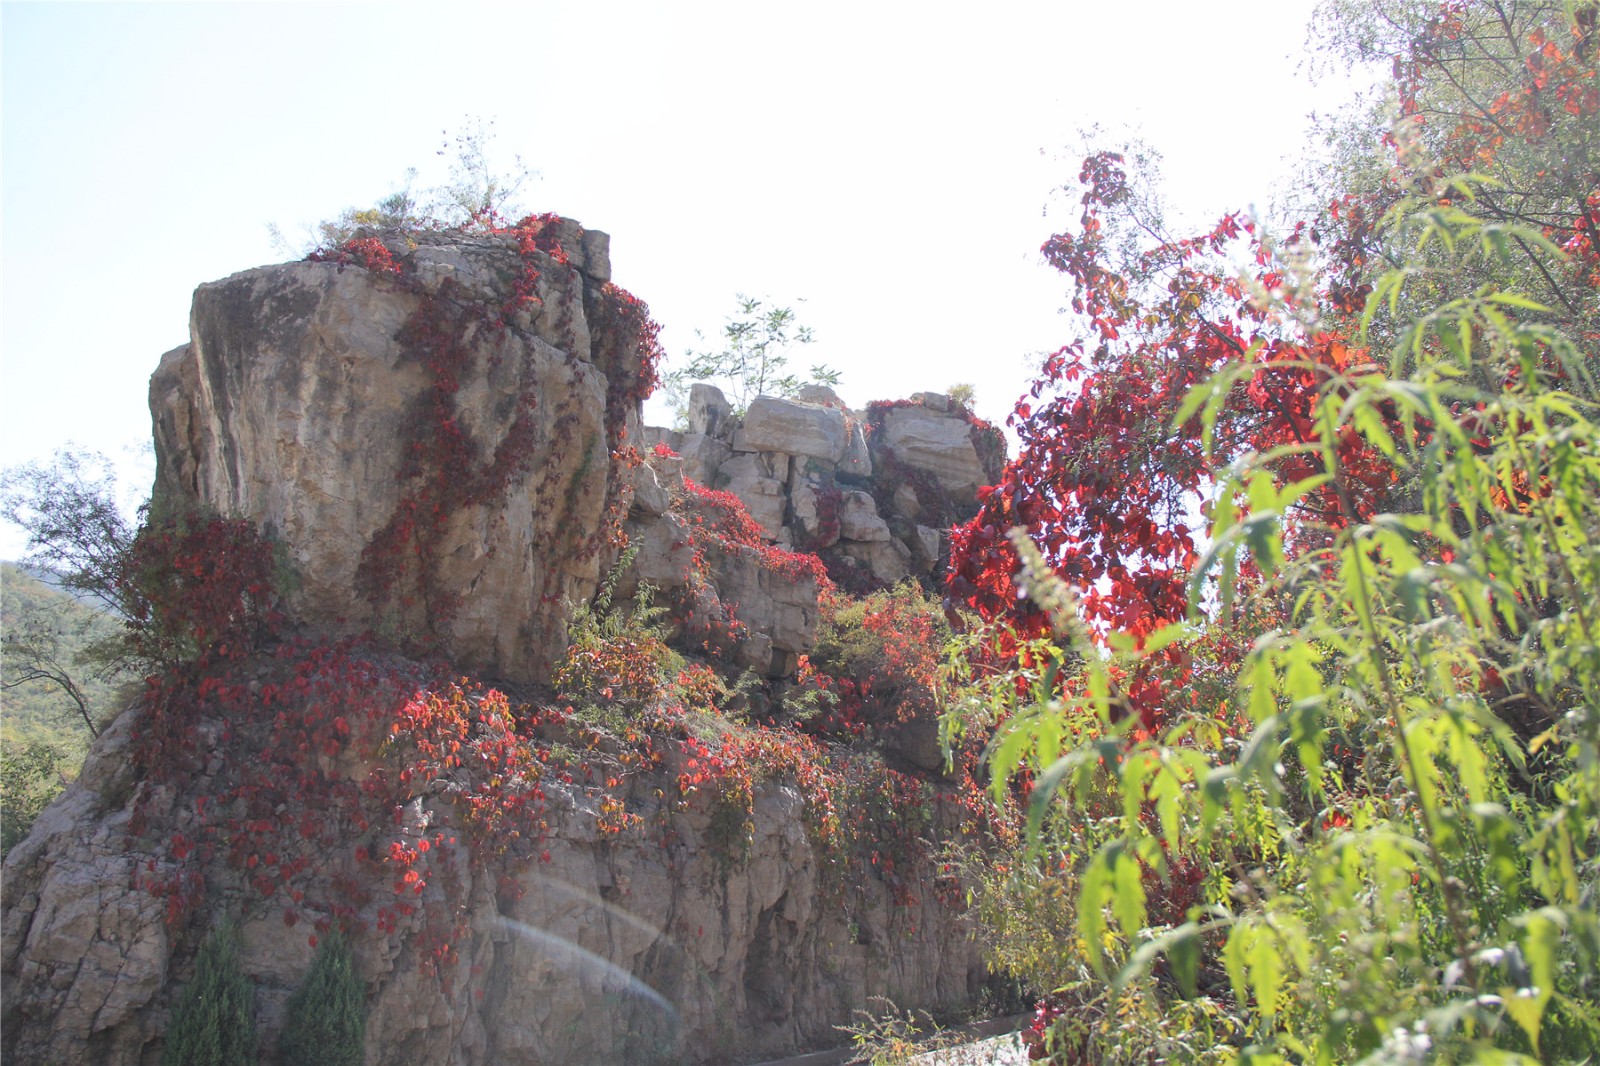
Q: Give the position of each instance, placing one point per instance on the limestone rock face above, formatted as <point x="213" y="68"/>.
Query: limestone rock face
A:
<point x="709" y="410"/>
<point x="859" y="519"/>
<point x="790" y="426"/>
<point x="312" y="399"/>
<point x="889" y="561"/>
<point x="300" y="403"/>
<point x="702" y="455"/>
<point x="610" y="948"/>
<point x="85" y="951"/>
<point x="939" y="445"/>
<point x="656" y="483"/>
<point x="780" y="613"/>
<point x="857" y="462"/>
<point x="759" y="479"/>
<point x="727" y="595"/>
<point x="870" y="492"/>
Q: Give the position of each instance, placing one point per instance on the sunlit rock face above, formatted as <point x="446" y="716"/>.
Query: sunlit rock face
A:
<point x="295" y="404"/>
<point x="656" y="944"/>
<point x="300" y="399"/>
<point x="873" y="491"/>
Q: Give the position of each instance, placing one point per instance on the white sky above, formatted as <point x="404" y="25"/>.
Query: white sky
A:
<point x="887" y="164"/>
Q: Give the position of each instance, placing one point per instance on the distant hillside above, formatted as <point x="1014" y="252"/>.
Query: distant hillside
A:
<point x="40" y="711"/>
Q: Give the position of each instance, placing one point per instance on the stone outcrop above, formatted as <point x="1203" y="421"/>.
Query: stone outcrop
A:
<point x="758" y="616"/>
<point x="331" y="403"/>
<point x="873" y="492"/>
<point x="300" y="399"/>
<point x="614" y="948"/>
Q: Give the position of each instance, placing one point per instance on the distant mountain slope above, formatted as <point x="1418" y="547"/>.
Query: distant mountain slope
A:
<point x="38" y="710"/>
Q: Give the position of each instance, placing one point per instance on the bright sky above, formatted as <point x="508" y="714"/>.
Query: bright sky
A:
<point x="888" y="164"/>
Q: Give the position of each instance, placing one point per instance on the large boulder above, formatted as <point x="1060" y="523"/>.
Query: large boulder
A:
<point x="859" y="519"/>
<point x="709" y="410"/>
<point x="449" y="490"/>
<point x="794" y="428"/>
<point x="938" y="444"/>
<point x="436" y="431"/>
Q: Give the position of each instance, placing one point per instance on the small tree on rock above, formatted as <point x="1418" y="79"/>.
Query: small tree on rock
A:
<point x="754" y="359"/>
<point x="327" y="1019"/>
<point x="214" y="1022"/>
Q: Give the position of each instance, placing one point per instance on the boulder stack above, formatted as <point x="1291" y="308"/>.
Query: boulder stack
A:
<point x="873" y="492"/>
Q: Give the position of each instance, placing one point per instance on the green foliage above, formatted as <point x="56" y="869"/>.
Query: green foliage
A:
<point x="1443" y="884"/>
<point x="55" y="684"/>
<point x="1377" y="839"/>
<point x="859" y="637"/>
<point x="60" y="646"/>
<point x="479" y="188"/>
<point x="754" y="359"/>
<point x="876" y="660"/>
<point x="889" y="1036"/>
<point x="76" y="530"/>
<point x="32" y="773"/>
<point x="214" y="1020"/>
<point x="326" y="1023"/>
<point x="617" y="657"/>
<point x="55" y="679"/>
<point x="398" y="210"/>
<point x="480" y="191"/>
<point x="1502" y="92"/>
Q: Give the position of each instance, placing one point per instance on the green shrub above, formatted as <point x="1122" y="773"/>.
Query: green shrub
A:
<point x="327" y="1020"/>
<point x="617" y="657"/>
<point x="214" y="1021"/>
<point x="30" y="778"/>
<point x="877" y="659"/>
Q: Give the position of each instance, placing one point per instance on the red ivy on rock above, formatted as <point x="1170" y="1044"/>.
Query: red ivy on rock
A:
<point x="445" y="470"/>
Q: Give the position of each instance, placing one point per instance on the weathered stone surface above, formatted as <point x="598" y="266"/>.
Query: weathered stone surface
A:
<point x="792" y="427"/>
<point x="888" y="560"/>
<point x="822" y="394"/>
<point x="857" y="461"/>
<point x="751" y="466"/>
<point x="937" y="444"/>
<point x="859" y="520"/>
<point x="85" y="950"/>
<point x="613" y="950"/>
<point x="294" y="403"/>
<point x="664" y="557"/>
<point x="759" y="479"/>
<point x="657" y="481"/>
<point x="596" y="261"/>
<point x="289" y="406"/>
<point x="702" y="456"/>
<point x="905" y="502"/>
<point x="709" y="410"/>
<point x="916" y="743"/>
<point x="781" y="609"/>
<point x="926" y="448"/>
<point x="925" y="549"/>
<point x="808" y="503"/>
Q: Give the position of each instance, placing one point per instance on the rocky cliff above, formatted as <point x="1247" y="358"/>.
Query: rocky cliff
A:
<point x="637" y="945"/>
<point x="438" y="431"/>
<point x="873" y="492"/>
<point x="427" y="425"/>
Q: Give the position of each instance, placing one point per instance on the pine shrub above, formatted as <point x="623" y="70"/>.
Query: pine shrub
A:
<point x="327" y="1019"/>
<point x="214" y="1022"/>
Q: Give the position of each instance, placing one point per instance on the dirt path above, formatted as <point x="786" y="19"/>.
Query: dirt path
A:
<point x="984" y="1044"/>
